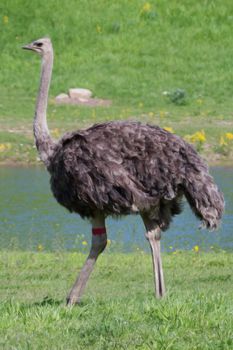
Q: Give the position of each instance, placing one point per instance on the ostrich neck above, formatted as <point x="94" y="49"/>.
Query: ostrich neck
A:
<point x="44" y="142"/>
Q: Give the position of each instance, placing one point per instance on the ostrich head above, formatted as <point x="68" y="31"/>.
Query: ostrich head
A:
<point x="41" y="46"/>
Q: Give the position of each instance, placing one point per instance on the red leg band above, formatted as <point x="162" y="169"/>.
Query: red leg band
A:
<point x="98" y="231"/>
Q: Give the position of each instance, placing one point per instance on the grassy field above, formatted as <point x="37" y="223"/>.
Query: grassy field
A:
<point x="119" y="310"/>
<point x="130" y="52"/>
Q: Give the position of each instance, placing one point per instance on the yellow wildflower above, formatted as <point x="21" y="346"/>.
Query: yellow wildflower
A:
<point x="84" y="243"/>
<point x="146" y="7"/>
<point x="40" y="247"/>
<point x="222" y="141"/>
<point x="5" y="19"/>
<point x="5" y="146"/>
<point x="198" y="136"/>
<point x="2" y="147"/>
<point x="168" y="128"/>
<point x="109" y="241"/>
<point x="229" y="136"/>
<point x="196" y="248"/>
<point x="98" y="29"/>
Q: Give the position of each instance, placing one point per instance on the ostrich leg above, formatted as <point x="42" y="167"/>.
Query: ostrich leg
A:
<point x="153" y="235"/>
<point x="99" y="241"/>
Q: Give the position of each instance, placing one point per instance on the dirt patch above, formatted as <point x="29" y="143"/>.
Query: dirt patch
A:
<point x="224" y="122"/>
<point x="90" y="102"/>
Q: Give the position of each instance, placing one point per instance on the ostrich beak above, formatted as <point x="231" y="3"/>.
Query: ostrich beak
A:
<point x="28" y="47"/>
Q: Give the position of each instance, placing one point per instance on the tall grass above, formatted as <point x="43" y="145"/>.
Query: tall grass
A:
<point x="119" y="310"/>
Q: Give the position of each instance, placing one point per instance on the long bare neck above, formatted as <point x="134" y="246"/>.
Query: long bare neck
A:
<point x="44" y="142"/>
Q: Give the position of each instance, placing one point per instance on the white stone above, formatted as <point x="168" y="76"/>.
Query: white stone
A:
<point x="62" y="97"/>
<point x="80" y="93"/>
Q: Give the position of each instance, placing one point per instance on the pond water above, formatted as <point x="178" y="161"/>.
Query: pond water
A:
<point x="31" y="219"/>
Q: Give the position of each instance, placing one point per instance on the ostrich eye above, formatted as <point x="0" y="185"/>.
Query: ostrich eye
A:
<point x="39" y="44"/>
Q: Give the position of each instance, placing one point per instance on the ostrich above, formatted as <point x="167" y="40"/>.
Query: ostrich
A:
<point x="118" y="168"/>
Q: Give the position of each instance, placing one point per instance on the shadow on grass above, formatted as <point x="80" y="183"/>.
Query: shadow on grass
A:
<point x="45" y="302"/>
<point x="48" y="301"/>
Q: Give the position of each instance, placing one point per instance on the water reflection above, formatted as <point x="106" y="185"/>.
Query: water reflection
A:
<point x="31" y="217"/>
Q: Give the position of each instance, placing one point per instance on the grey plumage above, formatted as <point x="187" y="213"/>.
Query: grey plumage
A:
<point x="125" y="167"/>
<point x="121" y="168"/>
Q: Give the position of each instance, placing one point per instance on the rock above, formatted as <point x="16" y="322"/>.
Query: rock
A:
<point x="80" y="93"/>
<point x="81" y="96"/>
<point x="62" y="98"/>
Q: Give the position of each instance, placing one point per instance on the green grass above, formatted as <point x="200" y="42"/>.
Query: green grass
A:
<point x="126" y="51"/>
<point x="119" y="310"/>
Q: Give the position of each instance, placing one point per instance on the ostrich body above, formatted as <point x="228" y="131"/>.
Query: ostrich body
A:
<point x="119" y="168"/>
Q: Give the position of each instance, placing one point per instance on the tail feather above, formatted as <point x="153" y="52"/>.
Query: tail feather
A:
<point x="204" y="197"/>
